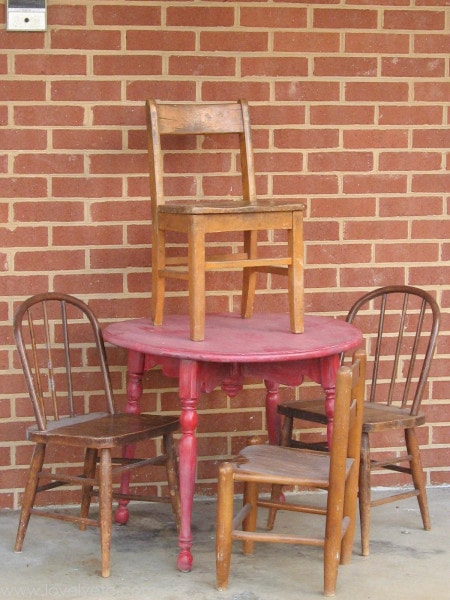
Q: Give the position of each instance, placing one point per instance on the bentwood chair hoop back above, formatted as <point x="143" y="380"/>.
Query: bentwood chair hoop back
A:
<point x="335" y="472"/>
<point x="63" y="357"/>
<point x="401" y="325"/>
<point x="196" y="217"/>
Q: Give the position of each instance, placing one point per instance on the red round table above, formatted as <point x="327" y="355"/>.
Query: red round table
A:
<point x="234" y="349"/>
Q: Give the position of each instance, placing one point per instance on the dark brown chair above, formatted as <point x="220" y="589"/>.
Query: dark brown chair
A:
<point x="63" y="357"/>
<point x="201" y="125"/>
<point x="403" y="322"/>
<point x="336" y="472"/>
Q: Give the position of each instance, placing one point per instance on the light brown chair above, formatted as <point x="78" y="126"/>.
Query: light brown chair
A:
<point x="201" y="125"/>
<point x="63" y="357"/>
<point x="336" y="472"/>
<point x="403" y="322"/>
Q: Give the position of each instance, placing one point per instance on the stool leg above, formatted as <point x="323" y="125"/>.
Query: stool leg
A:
<point x="364" y="493"/>
<point x="224" y="525"/>
<point x="105" y="507"/>
<point x="249" y="275"/>
<point x="418" y="475"/>
<point x="295" y="273"/>
<point x="158" y="279"/>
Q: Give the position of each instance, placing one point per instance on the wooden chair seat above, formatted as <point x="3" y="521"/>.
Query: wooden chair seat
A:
<point x="194" y="216"/>
<point x="276" y="466"/>
<point x="60" y="348"/>
<point x="401" y="324"/>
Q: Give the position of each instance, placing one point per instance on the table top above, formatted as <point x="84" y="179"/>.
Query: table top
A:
<point x="265" y="337"/>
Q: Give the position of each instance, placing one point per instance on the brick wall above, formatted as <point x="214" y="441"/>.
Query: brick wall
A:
<point x="350" y="103"/>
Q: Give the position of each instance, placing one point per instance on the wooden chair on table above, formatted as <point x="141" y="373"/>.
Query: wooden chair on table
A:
<point x="197" y="217"/>
<point x="404" y="324"/>
<point x="63" y="357"/>
<point x="336" y="472"/>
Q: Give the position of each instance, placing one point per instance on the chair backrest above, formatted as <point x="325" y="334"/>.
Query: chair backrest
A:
<point x="401" y="325"/>
<point x="347" y="424"/>
<point x="198" y="119"/>
<point x="63" y="357"/>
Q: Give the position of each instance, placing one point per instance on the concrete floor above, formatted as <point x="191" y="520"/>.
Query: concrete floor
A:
<point x="59" y="561"/>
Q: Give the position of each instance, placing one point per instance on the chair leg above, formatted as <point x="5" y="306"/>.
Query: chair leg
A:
<point x="196" y="259"/>
<point x="90" y="463"/>
<point x="158" y="280"/>
<point x="249" y="523"/>
<point x="295" y="274"/>
<point x="30" y="494"/>
<point x="364" y="493"/>
<point x="249" y="275"/>
<point x="224" y="525"/>
<point x="172" y="477"/>
<point x="277" y="493"/>
<point x="105" y="507"/>
<point x="418" y="475"/>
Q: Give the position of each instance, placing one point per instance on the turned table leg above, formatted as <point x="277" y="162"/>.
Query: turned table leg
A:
<point x="135" y="374"/>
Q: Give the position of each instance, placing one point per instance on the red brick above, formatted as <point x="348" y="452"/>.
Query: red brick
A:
<point x="306" y="138"/>
<point x="24" y="187"/>
<point x="410" y="206"/>
<point x="160" y="40"/>
<point x="81" y="236"/>
<point x="431" y="138"/>
<point x="21" y="40"/>
<point x="376" y="138"/>
<point x="119" y="64"/>
<point x="405" y="253"/>
<point x="274" y="67"/>
<point x="338" y="254"/>
<point x="278" y="162"/>
<point x="123" y="258"/>
<point x="47" y="260"/>
<point x="376" y="230"/>
<point x="345" y="66"/>
<point x="340" y="161"/>
<point x="22" y="91"/>
<point x="87" y="91"/>
<point x="439" y="91"/>
<point x="120" y="210"/>
<point x="93" y="187"/>
<point x="370" y="277"/>
<point x="17" y="286"/>
<point x="411" y="115"/>
<point x="119" y="163"/>
<point x="276" y="18"/>
<point x="368" y="91"/>
<point x="431" y="182"/>
<point x="425" y="276"/>
<point x="166" y="90"/>
<point x="200" y="16"/>
<point x="87" y="139"/>
<point x="112" y="14"/>
<point x="336" y="115"/>
<point x="305" y="41"/>
<point x="414" y="20"/>
<point x="3" y="64"/>
<point x="432" y="43"/>
<point x="99" y="283"/>
<point x="376" y="43"/>
<point x="431" y="229"/>
<point x="258" y="91"/>
<point x="48" y="163"/>
<point x="202" y="65"/>
<point x="307" y="91"/>
<point x="285" y="185"/>
<point x="66" y="15"/>
<point x="332" y="18"/>
<point x="48" y="64"/>
<point x="373" y="184"/>
<point x="118" y="115"/>
<point x="49" y="115"/>
<point x="233" y="41"/>
<point x="48" y="211"/>
<point x="410" y="161"/>
<point x="412" y="67"/>
<point x="85" y="39"/>
<point x="342" y="207"/>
